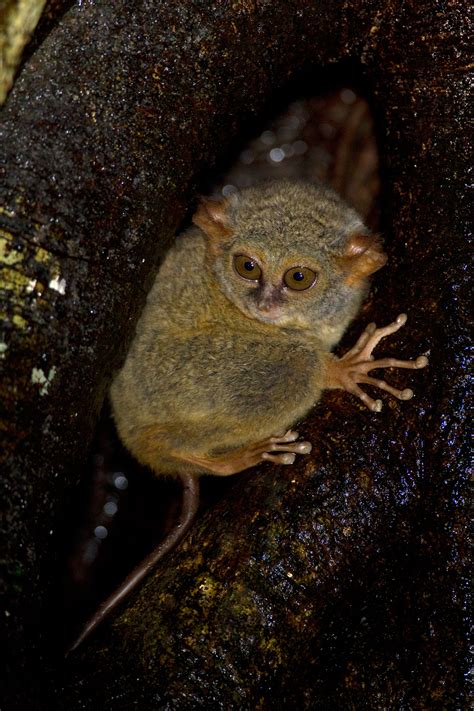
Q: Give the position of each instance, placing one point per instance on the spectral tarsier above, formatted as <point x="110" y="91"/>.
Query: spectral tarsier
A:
<point x="234" y="344"/>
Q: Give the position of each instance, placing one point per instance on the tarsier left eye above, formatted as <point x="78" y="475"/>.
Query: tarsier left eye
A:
<point x="299" y="278"/>
<point x="247" y="268"/>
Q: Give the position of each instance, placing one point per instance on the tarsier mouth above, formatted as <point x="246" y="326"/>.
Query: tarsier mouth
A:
<point x="271" y="314"/>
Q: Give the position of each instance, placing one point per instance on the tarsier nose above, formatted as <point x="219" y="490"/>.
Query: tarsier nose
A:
<point x="263" y="305"/>
<point x="267" y="306"/>
<point x="269" y="299"/>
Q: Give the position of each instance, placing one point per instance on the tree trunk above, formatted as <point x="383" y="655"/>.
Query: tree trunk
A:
<point x="322" y="586"/>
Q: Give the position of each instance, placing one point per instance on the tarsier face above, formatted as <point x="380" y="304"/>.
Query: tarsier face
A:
<point x="268" y="289"/>
<point x="292" y="255"/>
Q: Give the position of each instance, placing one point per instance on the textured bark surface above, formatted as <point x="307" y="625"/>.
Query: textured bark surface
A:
<point x="322" y="586"/>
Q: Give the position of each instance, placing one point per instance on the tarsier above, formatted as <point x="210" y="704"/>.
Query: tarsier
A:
<point x="234" y="344"/>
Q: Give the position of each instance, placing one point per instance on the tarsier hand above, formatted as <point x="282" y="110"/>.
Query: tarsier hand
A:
<point x="354" y="366"/>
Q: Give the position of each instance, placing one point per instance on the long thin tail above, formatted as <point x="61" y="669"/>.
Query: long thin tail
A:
<point x="188" y="512"/>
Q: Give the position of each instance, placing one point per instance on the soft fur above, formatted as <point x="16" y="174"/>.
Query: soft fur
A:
<point x="219" y="363"/>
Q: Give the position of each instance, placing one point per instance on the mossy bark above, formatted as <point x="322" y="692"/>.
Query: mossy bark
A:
<point x="294" y="589"/>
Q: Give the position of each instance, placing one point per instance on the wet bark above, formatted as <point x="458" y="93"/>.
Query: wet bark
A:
<point x="322" y="586"/>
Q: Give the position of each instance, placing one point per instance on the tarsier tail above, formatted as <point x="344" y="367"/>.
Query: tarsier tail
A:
<point x="188" y="513"/>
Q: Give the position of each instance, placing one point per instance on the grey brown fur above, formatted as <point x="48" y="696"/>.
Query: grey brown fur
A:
<point x="218" y="363"/>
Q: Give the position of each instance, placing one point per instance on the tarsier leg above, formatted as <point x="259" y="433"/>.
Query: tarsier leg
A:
<point x="188" y="512"/>
<point x="354" y="366"/>
<point x="279" y="450"/>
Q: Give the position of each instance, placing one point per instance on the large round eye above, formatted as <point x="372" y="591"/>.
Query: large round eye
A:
<point x="299" y="278"/>
<point x="247" y="267"/>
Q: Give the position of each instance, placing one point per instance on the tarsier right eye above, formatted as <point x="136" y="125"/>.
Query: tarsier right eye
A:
<point x="247" y="268"/>
<point x="299" y="278"/>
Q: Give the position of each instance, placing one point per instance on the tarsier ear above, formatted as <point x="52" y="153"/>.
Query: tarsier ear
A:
<point x="211" y="216"/>
<point x="363" y="256"/>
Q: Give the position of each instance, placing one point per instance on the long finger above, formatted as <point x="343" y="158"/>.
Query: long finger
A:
<point x="405" y="394"/>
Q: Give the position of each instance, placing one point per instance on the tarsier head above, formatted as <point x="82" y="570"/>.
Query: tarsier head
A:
<point x="290" y="254"/>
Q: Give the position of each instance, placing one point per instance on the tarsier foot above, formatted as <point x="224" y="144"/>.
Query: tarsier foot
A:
<point x="279" y="450"/>
<point x="286" y="445"/>
<point x="354" y="366"/>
